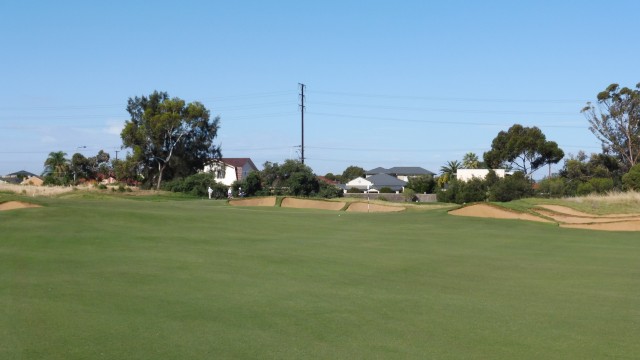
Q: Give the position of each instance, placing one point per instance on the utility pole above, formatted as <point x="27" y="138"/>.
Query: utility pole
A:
<point x="302" y="86"/>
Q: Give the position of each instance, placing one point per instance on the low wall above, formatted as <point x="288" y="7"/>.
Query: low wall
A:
<point x="392" y="197"/>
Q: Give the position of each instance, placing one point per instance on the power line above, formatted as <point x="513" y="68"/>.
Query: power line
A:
<point x="466" y="123"/>
<point x="413" y="97"/>
<point x="465" y="111"/>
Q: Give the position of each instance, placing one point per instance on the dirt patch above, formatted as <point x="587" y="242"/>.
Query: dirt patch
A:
<point x="265" y="201"/>
<point x="488" y="211"/>
<point x="311" y="204"/>
<point x="364" y="207"/>
<point x="13" y="205"/>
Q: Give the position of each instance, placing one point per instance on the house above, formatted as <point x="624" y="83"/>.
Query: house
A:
<point x="468" y="174"/>
<point x="229" y="170"/>
<point x="377" y="182"/>
<point x="403" y="173"/>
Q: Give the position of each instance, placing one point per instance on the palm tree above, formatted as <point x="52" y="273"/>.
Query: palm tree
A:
<point x="451" y="168"/>
<point x="470" y="161"/>
<point x="56" y="164"/>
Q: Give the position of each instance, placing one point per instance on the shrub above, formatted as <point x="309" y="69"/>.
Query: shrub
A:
<point x="197" y="185"/>
<point x="387" y="190"/>
<point x="513" y="187"/>
<point x="631" y="180"/>
<point x="423" y="184"/>
<point x="552" y="187"/>
<point x="471" y="191"/>
<point x="409" y="195"/>
<point x="328" y="191"/>
<point x="584" y="188"/>
<point x="354" y="191"/>
<point x="601" y="185"/>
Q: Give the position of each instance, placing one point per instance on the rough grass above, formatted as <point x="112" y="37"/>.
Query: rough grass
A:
<point x="116" y="278"/>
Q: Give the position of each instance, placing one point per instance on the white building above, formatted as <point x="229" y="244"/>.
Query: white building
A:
<point x="229" y="170"/>
<point x="468" y="174"/>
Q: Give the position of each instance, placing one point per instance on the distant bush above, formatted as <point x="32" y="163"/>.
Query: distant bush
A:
<point x="354" y="191"/>
<point x="631" y="180"/>
<point x="601" y="185"/>
<point x="423" y="184"/>
<point x="386" y="190"/>
<point x="513" y="187"/>
<point x="552" y="187"/>
<point x="197" y="185"/>
<point x="328" y="191"/>
<point x="409" y="195"/>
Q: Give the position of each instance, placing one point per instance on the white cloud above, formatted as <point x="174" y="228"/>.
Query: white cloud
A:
<point x="114" y="127"/>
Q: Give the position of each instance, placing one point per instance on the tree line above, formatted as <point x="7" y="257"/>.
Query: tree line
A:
<point x="170" y="140"/>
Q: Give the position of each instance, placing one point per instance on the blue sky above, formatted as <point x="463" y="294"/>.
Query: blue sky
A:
<point x="404" y="83"/>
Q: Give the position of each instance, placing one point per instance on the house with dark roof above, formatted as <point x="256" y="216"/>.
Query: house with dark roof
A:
<point x="400" y="172"/>
<point x="377" y="182"/>
<point x="229" y="170"/>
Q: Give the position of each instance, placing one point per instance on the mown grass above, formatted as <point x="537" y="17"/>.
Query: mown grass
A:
<point x="115" y="278"/>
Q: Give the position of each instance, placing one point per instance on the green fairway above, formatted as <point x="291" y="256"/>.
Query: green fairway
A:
<point x="147" y="278"/>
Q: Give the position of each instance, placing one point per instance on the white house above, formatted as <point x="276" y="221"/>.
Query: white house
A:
<point x="377" y="182"/>
<point x="468" y="174"/>
<point x="228" y="170"/>
<point x="359" y="183"/>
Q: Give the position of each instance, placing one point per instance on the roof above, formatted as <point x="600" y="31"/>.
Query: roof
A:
<point x="330" y="182"/>
<point x="238" y="162"/>
<point x="382" y="180"/>
<point x="22" y="173"/>
<point x="410" y="170"/>
<point x="400" y="170"/>
<point x="378" y="170"/>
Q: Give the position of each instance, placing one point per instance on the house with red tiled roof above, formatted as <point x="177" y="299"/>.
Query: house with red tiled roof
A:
<point x="228" y="170"/>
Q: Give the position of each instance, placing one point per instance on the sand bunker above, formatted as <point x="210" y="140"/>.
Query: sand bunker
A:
<point x="562" y="215"/>
<point x="488" y="211"/>
<point x="12" y="205"/>
<point x="364" y="207"/>
<point x="265" y="201"/>
<point x="311" y="204"/>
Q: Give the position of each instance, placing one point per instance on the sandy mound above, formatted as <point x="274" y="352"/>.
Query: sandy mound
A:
<point x="311" y="204"/>
<point x="488" y="211"/>
<point x="609" y="226"/>
<point x="265" y="201"/>
<point x="564" y="216"/>
<point x="364" y="207"/>
<point x="583" y="219"/>
<point x="569" y="211"/>
<point x="12" y="205"/>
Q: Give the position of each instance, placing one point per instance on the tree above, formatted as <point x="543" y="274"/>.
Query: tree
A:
<point x="291" y="178"/>
<point x="616" y="122"/>
<point x="631" y="180"/>
<point x="56" y="166"/>
<point x="79" y="166"/>
<point x="550" y="154"/>
<point x="167" y="134"/>
<point x="451" y="168"/>
<point x="470" y="161"/>
<point x="351" y="173"/>
<point x="423" y="184"/>
<point x="524" y="148"/>
<point x="448" y="172"/>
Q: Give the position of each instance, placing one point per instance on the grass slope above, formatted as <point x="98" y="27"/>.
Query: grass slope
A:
<point x="121" y="278"/>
